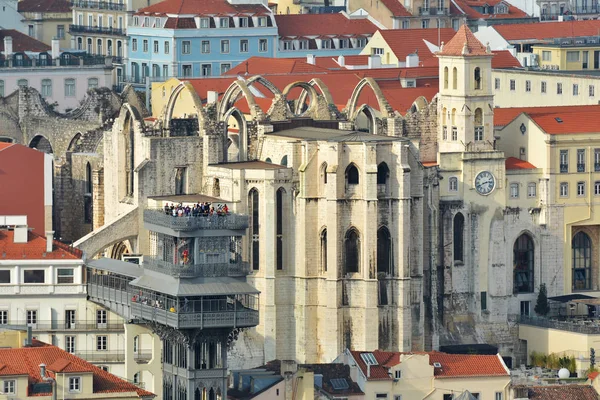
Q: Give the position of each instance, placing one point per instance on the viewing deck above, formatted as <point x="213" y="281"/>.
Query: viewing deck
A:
<point x="236" y="269"/>
<point x="186" y="224"/>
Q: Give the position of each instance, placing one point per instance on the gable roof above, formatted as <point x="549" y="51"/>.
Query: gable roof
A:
<point x="503" y="116"/>
<point x="195" y="7"/>
<point x="548" y="30"/>
<point x="323" y="24"/>
<point x="515" y="163"/>
<point x="22" y="42"/>
<point x="504" y="59"/>
<point x="26" y="361"/>
<point x="467" y="8"/>
<point x="56" y="6"/>
<point x="403" y="42"/>
<point x="452" y="365"/>
<point x="562" y="392"/>
<point x="465" y="44"/>
<point x="34" y="249"/>
<point x="396" y="8"/>
<point x="567" y="120"/>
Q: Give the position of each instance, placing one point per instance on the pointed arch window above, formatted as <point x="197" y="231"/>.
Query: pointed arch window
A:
<point x="444" y="123"/>
<point x="284" y="161"/>
<point x="459" y="232"/>
<point x="454" y="78"/>
<point x="279" y="227"/>
<point x="324" y="173"/>
<point x="87" y="197"/>
<point x="129" y="155"/>
<point x="351" y="251"/>
<point x="253" y="205"/>
<point x="581" y="249"/>
<point x="384" y="251"/>
<point x="324" y="250"/>
<point x="523" y="264"/>
<point x="383" y="173"/>
<point x="352" y="176"/>
<point x="477" y="78"/>
<point x="454" y="127"/>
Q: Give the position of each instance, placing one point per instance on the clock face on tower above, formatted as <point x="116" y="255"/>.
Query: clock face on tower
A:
<point x="485" y="182"/>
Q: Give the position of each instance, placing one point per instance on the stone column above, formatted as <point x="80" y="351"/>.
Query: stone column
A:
<point x="98" y="198"/>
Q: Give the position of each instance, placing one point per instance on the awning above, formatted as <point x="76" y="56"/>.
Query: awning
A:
<point x="570" y="297"/>
<point x="589" y="302"/>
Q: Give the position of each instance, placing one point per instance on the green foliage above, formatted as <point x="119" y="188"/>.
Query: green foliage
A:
<point x="553" y="361"/>
<point x="592" y="358"/>
<point x="542" y="307"/>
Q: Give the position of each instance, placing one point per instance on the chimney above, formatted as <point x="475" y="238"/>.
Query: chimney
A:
<point x="212" y="97"/>
<point x="342" y="61"/>
<point x="55" y="48"/>
<point x="374" y="62"/>
<point x="20" y="234"/>
<point x="49" y="241"/>
<point x="310" y="58"/>
<point x="8" y="46"/>
<point x="412" y="60"/>
<point x="368" y="371"/>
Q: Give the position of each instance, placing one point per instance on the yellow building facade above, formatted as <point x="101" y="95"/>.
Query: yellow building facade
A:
<point x="569" y="57"/>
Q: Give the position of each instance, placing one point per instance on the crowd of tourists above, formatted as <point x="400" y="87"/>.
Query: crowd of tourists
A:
<point x="197" y="210"/>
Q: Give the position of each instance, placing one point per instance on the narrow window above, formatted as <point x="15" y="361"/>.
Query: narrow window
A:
<point x="454" y="78"/>
<point x="581" y="248"/>
<point x="445" y="77"/>
<point x="453" y="184"/>
<point x="324" y="250"/>
<point x="497" y="83"/>
<point x="523" y="258"/>
<point x="477" y="78"/>
<point x="279" y="227"/>
<point x="383" y="173"/>
<point x="253" y="211"/>
<point x="384" y="251"/>
<point x="352" y="176"/>
<point x="478" y="125"/>
<point x="352" y="251"/>
<point x="180" y="180"/>
<point x="459" y="227"/>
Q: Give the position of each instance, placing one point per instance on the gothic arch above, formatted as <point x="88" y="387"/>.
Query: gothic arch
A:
<point x="267" y="84"/>
<point x="236" y="88"/>
<point x="419" y="104"/>
<point x="384" y="106"/>
<point x="317" y="83"/>
<point x="167" y="113"/>
<point x="243" y="139"/>
<point x="306" y="88"/>
<point x="74" y="142"/>
<point x="369" y="113"/>
<point x="42" y="143"/>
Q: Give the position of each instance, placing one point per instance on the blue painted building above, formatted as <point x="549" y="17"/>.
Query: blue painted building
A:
<point x="195" y="38"/>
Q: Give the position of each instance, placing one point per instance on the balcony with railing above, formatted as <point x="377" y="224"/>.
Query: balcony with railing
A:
<point x="575" y="325"/>
<point x="99" y="30"/>
<point x="142" y="357"/>
<point x="433" y="11"/>
<point x="580" y="167"/>
<point x="564" y="168"/>
<point x="233" y="269"/>
<point x="223" y="221"/>
<point x="76" y="326"/>
<point x="100" y="356"/>
<point x="98" y="5"/>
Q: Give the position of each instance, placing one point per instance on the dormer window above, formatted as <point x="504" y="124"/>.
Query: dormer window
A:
<point x="288" y="45"/>
<point x="204" y="22"/>
<point x="501" y="9"/>
<point x="75" y="384"/>
<point x="146" y="21"/>
<point x="262" y="21"/>
<point x="303" y="44"/>
<point x="361" y="42"/>
<point x="136" y="21"/>
<point x="243" y="22"/>
<point x="157" y="23"/>
<point x="326" y="44"/>
<point x="343" y="43"/>
<point x="224" y="22"/>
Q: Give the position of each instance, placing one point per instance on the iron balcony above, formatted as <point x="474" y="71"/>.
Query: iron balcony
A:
<point x="233" y="269"/>
<point x="229" y="221"/>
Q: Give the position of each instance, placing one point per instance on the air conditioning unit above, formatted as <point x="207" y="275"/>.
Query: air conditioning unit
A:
<point x="133" y="258"/>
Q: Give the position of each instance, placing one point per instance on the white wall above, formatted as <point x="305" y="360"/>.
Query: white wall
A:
<point x="10" y="17"/>
<point x="487" y="34"/>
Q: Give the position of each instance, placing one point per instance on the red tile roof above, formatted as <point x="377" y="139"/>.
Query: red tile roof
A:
<point x="180" y="23"/>
<point x="396" y="8"/>
<point x="568" y="120"/>
<point x="34" y="249"/>
<point x="562" y="392"/>
<point x="195" y="7"/>
<point x="4" y="145"/>
<point x="466" y="6"/>
<point x="265" y="65"/>
<point x="403" y="42"/>
<point x="593" y="375"/>
<point x="22" y="42"/>
<point x="323" y="24"/>
<point x="55" y="6"/>
<point x="452" y="365"/>
<point x="503" y="116"/>
<point x="515" y="163"/>
<point x="355" y="59"/>
<point x="26" y="361"/>
<point x="548" y="30"/>
<point x="464" y="43"/>
<point x="504" y="59"/>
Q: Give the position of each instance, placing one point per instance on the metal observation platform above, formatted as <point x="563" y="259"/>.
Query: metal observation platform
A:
<point x="191" y="291"/>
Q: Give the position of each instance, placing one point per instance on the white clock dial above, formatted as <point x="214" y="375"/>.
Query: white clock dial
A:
<point x="485" y="182"/>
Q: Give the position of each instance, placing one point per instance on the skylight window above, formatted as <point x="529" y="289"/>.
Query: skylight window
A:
<point x="339" y="384"/>
<point x="559" y="120"/>
<point x="437" y="365"/>
<point x="368" y="358"/>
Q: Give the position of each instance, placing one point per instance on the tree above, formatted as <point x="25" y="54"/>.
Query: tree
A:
<point x="592" y="358"/>
<point x="541" y="307"/>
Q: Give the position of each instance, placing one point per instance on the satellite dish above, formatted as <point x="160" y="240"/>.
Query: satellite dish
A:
<point x="563" y="373"/>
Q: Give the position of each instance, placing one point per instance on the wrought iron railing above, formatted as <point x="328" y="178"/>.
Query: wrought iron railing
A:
<point x="102" y="356"/>
<point x="581" y="167"/>
<point x="228" y="221"/>
<point x="98" y="5"/>
<point x="142" y="357"/>
<point x="239" y="268"/>
<point x="568" y="325"/>
<point x="564" y="168"/>
<point x="96" y="29"/>
<point x="433" y="11"/>
<point x="44" y="325"/>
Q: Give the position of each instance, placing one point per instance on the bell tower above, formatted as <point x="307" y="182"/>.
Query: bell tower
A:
<point x="466" y="101"/>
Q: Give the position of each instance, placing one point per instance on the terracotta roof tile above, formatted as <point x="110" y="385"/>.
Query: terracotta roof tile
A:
<point x="195" y="7"/>
<point x="34" y="249"/>
<point x="548" y="30"/>
<point x="4" y="145"/>
<point x="467" y="7"/>
<point x="593" y="375"/>
<point x="264" y="65"/>
<point x="515" y="163"/>
<point x="396" y="8"/>
<point x="504" y="59"/>
<point x="452" y="365"/>
<point x="180" y="23"/>
<point x="562" y="392"/>
<point x="464" y="43"/>
<point x="323" y="24"/>
<point x="56" y="6"/>
<point x="26" y="361"/>
<point x="22" y="42"/>
<point x="403" y="42"/>
<point x="503" y="116"/>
